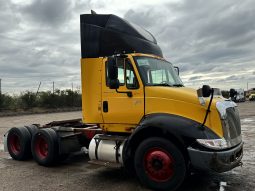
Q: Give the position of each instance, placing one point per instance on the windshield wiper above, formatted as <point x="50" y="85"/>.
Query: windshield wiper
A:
<point x="178" y="85"/>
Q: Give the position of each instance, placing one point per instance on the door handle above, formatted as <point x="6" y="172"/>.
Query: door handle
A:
<point x="105" y="106"/>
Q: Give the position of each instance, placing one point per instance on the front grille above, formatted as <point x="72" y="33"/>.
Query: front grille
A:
<point x="232" y="126"/>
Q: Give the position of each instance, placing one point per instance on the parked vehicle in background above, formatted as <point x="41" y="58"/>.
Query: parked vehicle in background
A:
<point x="237" y="95"/>
<point x="252" y="97"/>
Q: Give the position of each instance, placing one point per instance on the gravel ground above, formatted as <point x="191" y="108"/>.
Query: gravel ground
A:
<point x="76" y="174"/>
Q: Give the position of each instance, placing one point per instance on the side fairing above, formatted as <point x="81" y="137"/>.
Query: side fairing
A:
<point x="91" y="77"/>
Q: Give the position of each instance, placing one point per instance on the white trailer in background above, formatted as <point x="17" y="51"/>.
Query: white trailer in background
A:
<point x="237" y="95"/>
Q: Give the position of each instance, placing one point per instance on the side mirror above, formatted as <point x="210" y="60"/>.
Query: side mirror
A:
<point x="177" y="70"/>
<point x="232" y="93"/>
<point x="112" y="70"/>
<point x="206" y="90"/>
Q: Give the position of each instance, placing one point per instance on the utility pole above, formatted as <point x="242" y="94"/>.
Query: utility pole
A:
<point x="53" y="88"/>
<point x="72" y="95"/>
<point x="0" y="87"/>
<point x="247" y="86"/>
<point x="0" y="94"/>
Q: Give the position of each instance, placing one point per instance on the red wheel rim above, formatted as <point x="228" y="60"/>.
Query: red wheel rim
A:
<point x="41" y="147"/>
<point x="158" y="165"/>
<point x="15" y="144"/>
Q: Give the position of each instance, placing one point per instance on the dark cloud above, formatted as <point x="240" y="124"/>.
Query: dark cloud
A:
<point x="48" y="12"/>
<point x="9" y="20"/>
<point x="42" y="44"/>
<point x="212" y="42"/>
<point x="216" y="36"/>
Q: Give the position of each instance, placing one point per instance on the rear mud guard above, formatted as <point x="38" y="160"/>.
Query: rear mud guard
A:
<point x="5" y="141"/>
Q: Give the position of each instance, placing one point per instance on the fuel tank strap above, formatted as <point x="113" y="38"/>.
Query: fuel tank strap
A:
<point x="117" y="147"/>
<point x="97" y="140"/>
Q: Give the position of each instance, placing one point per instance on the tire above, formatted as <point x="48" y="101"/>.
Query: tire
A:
<point x="32" y="129"/>
<point x="18" y="143"/>
<point x="45" y="147"/>
<point x="153" y="158"/>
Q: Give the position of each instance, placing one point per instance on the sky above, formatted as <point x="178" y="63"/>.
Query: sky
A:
<point x="212" y="42"/>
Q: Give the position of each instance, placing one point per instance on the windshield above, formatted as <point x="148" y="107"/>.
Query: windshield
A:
<point x="156" y="72"/>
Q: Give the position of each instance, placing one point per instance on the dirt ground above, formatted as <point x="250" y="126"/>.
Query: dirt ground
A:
<point x="76" y="174"/>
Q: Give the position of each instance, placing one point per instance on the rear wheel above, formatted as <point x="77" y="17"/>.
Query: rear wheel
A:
<point x="159" y="164"/>
<point x="32" y="129"/>
<point x="45" y="147"/>
<point x="18" y="143"/>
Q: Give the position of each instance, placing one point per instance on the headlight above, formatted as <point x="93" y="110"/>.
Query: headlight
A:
<point x="222" y="107"/>
<point x="216" y="144"/>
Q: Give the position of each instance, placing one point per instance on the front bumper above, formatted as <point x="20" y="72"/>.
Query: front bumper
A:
<point x="218" y="161"/>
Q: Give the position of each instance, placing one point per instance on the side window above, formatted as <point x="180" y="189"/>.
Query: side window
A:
<point x="131" y="80"/>
<point x="126" y="74"/>
<point x="120" y="64"/>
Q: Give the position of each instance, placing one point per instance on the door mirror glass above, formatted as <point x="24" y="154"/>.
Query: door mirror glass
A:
<point x="206" y="90"/>
<point x="114" y="84"/>
<point x="112" y="68"/>
<point x="112" y="71"/>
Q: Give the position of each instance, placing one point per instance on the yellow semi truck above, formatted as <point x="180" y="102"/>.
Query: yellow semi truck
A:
<point x="137" y="113"/>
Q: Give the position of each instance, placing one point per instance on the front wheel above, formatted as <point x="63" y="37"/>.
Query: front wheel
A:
<point x="159" y="164"/>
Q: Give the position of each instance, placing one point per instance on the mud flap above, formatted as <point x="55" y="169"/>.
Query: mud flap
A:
<point x="5" y="141"/>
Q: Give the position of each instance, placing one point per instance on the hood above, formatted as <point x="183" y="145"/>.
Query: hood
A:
<point x="183" y="94"/>
<point x="184" y="102"/>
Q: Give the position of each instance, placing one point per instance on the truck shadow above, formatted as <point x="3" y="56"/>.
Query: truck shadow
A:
<point x="200" y="181"/>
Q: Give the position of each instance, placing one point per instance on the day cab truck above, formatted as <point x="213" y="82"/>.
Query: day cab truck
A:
<point x="136" y="113"/>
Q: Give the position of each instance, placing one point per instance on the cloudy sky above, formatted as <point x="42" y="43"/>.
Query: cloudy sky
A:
<point x="212" y="42"/>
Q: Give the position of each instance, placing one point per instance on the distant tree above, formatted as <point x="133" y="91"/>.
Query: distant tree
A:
<point x="28" y="100"/>
<point x="1" y="102"/>
<point x="8" y="102"/>
<point x="46" y="99"/>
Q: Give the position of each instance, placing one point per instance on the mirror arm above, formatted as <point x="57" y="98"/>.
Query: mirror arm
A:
<point x="208" y="110"/>
<point x="129" y="93"/>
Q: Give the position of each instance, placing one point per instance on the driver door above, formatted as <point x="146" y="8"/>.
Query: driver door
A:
<point x="122" y="113"/>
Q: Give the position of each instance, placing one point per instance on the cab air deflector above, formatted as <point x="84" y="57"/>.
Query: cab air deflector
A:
<point x="105" y="35"/>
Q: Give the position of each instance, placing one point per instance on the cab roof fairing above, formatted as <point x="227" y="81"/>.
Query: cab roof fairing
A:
<point x="105" y="35"/>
